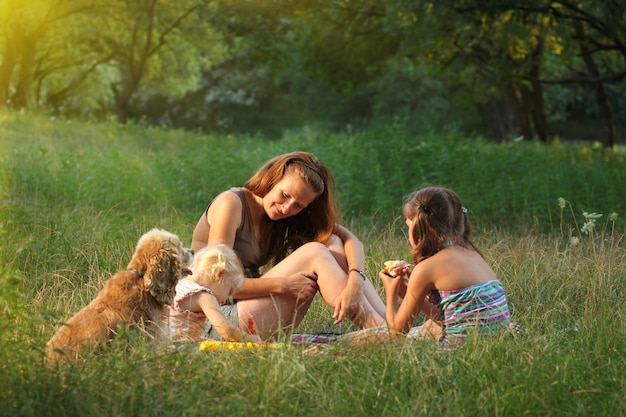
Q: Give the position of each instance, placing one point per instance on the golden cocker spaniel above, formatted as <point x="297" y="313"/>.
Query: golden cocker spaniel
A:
<point x="136" y="297"/>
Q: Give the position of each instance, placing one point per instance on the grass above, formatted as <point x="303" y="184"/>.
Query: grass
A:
<point x="76" y="196"/>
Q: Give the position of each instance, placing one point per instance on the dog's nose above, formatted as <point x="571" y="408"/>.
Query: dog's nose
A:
<point x="192" y="251"/>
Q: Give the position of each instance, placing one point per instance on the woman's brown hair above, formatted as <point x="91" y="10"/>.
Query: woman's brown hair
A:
<point x="314" y="223"/>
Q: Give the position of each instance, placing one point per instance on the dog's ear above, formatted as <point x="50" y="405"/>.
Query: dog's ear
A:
<point x="162" y="275"/>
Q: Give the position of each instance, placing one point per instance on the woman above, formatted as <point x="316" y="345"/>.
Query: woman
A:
<point x="285" y="220"/>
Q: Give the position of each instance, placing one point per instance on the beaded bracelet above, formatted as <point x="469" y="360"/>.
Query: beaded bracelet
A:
<point x="358" y="271"/>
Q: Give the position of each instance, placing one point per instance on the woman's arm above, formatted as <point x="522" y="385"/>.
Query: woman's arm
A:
<point x="353" y="252"/>
<point x="224" y="217"/>
<point x="348" y="251"/>
<point x="294" y="285"/>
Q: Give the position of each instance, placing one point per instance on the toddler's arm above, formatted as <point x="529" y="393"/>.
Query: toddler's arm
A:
<point x="229" y="332"/>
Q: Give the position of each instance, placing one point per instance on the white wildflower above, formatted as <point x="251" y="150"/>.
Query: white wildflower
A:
<point x="574" y="241"/>
<point x="613" y="217"/>
<point x="588" y="227"/>
<point x="561" y="202"/>
<point x="590" y="223"/>
<point x="591" y="216"/>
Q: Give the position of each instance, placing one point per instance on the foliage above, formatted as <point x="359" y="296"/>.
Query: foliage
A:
<point x="267" y="67"/>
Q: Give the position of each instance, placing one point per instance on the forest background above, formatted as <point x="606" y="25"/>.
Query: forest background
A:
<point x="508" y="70"/>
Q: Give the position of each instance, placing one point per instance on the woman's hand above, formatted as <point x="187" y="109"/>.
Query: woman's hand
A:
<point x="349" y="303"/>
<point x="301" y="285"/>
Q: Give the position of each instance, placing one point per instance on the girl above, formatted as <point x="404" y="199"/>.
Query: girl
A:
<point x="451" y="282"/>
<point x="285" y="220"/>
<point x="216" y="274"/>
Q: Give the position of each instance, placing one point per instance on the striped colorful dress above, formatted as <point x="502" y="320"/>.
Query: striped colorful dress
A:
<point x="480" y="308"/>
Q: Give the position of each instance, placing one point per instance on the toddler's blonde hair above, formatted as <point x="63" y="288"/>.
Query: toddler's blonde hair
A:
<point x="214" y="263"/>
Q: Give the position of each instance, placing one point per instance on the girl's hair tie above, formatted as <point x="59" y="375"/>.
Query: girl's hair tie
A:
<point x="425" y="209"/>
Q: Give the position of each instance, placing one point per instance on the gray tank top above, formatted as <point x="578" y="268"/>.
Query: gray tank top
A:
<point x="246" y="245"/>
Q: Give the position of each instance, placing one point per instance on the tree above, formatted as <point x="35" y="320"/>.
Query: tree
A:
<point x="53" y="52"/>
<point x="599" y="29"/>
<point x="589" y="37"/>
<point x="351" y="43"/>
<point x="156" y="46"/>
<point x="26" y="34"/>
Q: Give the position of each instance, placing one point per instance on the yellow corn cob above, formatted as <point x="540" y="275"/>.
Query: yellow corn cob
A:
<point x="215" y="345"/>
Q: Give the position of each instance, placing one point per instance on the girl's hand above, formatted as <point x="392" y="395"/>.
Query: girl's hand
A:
<point x="404" y="272"/>
<point x="393" y="285"/>
<point x="397" y="268"/>
<point x="402" y="286"/>
<point x="402" y="278"/>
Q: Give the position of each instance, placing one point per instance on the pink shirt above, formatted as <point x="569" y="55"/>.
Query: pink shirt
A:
<point x="185" y="325"/>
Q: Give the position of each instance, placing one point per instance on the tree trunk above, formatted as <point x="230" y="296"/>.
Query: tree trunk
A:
<point x="6" y="71"/>
<point x="606" y="114"/>
<point x="505" y="115"/>
<point x="521" y="122"/>
<point x="121" y="103"/>
<point x="537" y="111"/>
<point x="124" y="90"/>
<point x="604" y="106"/>
<point x="23" y="89"/>
<point x="534" y="94"/>
<point x="491" y="112"/>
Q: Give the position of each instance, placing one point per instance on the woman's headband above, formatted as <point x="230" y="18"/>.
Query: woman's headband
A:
<point x="304" y="164"/>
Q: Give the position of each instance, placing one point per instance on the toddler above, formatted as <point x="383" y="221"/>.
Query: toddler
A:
<point x="216" y="274"/>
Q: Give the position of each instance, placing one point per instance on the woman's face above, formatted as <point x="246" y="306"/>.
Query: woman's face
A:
<point x="410" y="223"/>
<point x="288" y="197"/>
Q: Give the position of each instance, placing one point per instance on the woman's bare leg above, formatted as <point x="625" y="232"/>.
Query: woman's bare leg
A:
<point x="280" y="312"/>
<point x="334" y="282"/>
<point x="335" y="245"/>
<point x="273" y="315"/>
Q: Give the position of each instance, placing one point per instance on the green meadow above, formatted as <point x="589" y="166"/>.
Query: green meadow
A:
<point x="76" y="196"/>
